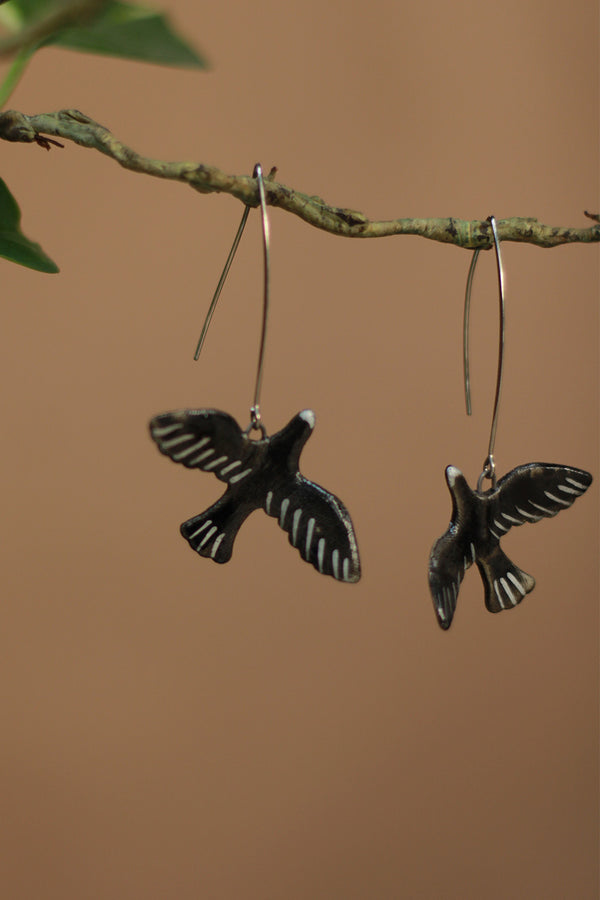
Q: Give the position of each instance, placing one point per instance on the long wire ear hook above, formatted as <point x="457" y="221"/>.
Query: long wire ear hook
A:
<point x="489" y="466"/>
<point x="255" y="418"/>
<point x="224" y="273"/>
<point x="255" y="422"/>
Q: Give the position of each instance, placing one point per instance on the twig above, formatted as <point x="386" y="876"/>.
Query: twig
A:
<point x="73" y="125"/>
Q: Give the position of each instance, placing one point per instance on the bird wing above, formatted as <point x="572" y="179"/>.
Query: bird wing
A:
<point x="318" y="526"/>
<point x="205" y="439"/>
<point x="533" y="492"/>
<point x="450" y="558"/>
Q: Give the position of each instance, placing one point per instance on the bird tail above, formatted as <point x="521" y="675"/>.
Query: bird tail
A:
<point x="505" y="584"/>
<point x="213" y="532"/>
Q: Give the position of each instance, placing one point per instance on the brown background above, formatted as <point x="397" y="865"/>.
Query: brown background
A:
<point x="174" y="728"/>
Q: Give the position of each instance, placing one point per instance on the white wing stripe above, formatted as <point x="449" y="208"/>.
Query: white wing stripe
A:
<point x="346" y="569"/>
<point x="528" y="515"/>
<point x="284" y="508"/>
<point x="268" y="502"/>
<point x="496" y="588"/>
<point x="295" y="523"/>
<point x="215" y="546"/>
<point x="508" y="592"/>
<point x="215" y="462"/>
<point x="202" y="527"/>
<point x="207" y="536"/>
<point x="188" y="450"/>
<point x="500" y="526"/>
<point x="172" y="442"/>
<point x="309" y="536"/>
<point x="321" y="554"/>
<point x="510" y="519"/>
<point x="447" y="602"/>
<point x="549" y="512"/>
<point x="239" y="476"/>
<point x="335" y="560"/>
<point x="577" y="484"/>
<point x="516" y="583"/>
<point x="200" y="457"/>
<point x="162" y="430"/>
<point x="557" y="499"/>
<point x="230" y="467"/>
<point x="568" y="490"/>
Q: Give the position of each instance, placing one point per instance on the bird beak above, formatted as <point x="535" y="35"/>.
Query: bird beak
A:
<point x="452" y="473"/>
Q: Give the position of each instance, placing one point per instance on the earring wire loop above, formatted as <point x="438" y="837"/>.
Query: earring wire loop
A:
<point x="489" y="466"/>
<point x="255" y="417"/>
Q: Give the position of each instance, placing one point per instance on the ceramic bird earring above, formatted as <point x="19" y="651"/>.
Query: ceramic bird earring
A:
<point x="260" y="473"/>
<point x="480" y="519"/>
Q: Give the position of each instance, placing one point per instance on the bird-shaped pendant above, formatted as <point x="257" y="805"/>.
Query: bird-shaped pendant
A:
<point x="260" y="474"/>
<point x="480" y="519"/>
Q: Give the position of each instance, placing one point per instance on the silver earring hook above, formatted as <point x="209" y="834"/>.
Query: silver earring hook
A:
<point x="255" y="421"/>
<point x="489" y="466"/>
<point x="255" y="417"/>
<point x="224" y="273"/>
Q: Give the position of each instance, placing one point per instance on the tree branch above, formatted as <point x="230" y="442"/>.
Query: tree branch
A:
<point x="73" y="125"/>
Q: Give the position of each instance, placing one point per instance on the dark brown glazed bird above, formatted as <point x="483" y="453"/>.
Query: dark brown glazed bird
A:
<point x="479" y="520"/>
<point x="260" y="474"/>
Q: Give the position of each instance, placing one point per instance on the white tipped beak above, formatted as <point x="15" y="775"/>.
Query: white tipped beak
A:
<point x="452" y="473"/>
<point x="308" y="416"/>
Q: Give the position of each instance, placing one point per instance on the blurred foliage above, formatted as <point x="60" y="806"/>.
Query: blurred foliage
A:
<point x="119" y="29"/>
<point x="112" y="28"/>
<point x="13" y="243"/>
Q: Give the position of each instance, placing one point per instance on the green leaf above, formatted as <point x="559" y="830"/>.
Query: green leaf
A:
<point x="13" y="243"/>
<point x="133" y="32"/>
<point x="119" y="29"/>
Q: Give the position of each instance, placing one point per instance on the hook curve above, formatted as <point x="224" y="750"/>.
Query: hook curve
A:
<point x="489" y="466"/>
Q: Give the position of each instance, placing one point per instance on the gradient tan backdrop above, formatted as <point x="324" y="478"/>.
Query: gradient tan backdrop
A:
<point x="174" y="728"/>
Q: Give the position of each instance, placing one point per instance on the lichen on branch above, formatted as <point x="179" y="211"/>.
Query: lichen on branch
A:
<point x="72" y="125"/>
